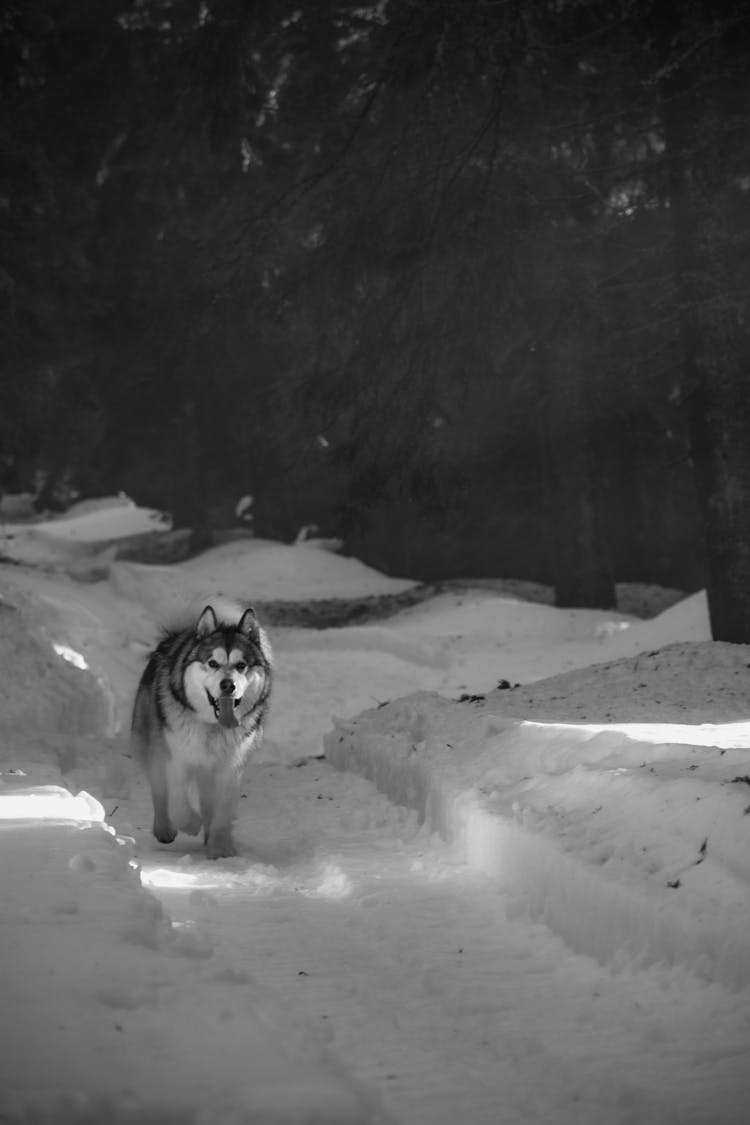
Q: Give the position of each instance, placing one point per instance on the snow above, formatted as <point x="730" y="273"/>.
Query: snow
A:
<point x="253" y="569"/>
<point x="529" y="904"/>
<point x="108" y="1004"/>
<point x="68" y="537"/>
<point x="628" y="840"/>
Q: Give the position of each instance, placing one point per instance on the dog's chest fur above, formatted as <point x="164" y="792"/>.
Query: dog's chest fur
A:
<point x="200" y="745"/>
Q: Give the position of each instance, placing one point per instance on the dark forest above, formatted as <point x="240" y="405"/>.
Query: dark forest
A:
<point x="464" y="282"/>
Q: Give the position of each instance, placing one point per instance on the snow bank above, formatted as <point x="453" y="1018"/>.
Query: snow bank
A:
<point x="487" y="637"/>
<point x="70" y="540"/>
<point x="109" y="1022"/>
<point x="631" y="838"/>
<point x="252" y="569"/>
<point x="45" y="685"/>
<point x="97" y="521"/>
<point x="457" y="642"/>
<point x="71" y="655"/>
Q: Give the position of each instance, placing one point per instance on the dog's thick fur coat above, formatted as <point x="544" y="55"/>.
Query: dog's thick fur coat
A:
<point x="198" y="715"/>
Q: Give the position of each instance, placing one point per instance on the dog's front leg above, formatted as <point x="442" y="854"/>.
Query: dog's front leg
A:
<point x="226" y="795"/>
<point x="156" y="768"/>
<point x="183" y="815"/>
<point x="207" y="800"/>
<point x="149" y="746"/>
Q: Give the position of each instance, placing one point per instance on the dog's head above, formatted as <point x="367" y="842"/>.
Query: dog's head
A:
<point x="227" y="671"/>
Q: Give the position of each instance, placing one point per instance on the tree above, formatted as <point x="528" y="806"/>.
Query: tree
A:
<point x="362" y="260"/>
<point x="704" y="100"/>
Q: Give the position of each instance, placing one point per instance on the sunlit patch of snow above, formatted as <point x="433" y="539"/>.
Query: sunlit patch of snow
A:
<point x="610" y="628"/>
<point x="49" y="802"/>
<point x="331" y="882"/>
<point x="168" y="877"/>
<point x="723" y="735"/>
<point x="209" y="876"/>
<point x="72" y="657"/>
<point x="334" y="884"/>
<point x="204" y="877"/>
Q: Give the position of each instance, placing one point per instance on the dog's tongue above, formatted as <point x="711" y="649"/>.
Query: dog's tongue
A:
<point x="227" y="717"/>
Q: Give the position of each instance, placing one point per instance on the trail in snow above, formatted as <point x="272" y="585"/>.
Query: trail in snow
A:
<point x="404" y="963"/>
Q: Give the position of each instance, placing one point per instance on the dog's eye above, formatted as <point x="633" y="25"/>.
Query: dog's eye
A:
<point x="240" y="665"/>
<point x="213" y="663"/>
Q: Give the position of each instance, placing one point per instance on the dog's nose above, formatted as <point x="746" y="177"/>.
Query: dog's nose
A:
<point x="227" y="687"/>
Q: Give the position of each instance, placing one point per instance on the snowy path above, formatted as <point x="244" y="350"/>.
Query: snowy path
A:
<point x="348" y="968"/>
<point x="404" y="964"/>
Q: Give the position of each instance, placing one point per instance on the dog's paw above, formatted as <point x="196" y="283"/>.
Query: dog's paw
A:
<point x="220" y="845"/>
<point x="189" y="822"/>
<point x="164" y="831"/>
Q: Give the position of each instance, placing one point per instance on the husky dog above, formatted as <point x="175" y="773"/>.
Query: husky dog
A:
<point x="198" y="714"/>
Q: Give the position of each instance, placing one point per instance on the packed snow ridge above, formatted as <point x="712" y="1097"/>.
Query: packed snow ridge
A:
<point x="630" y="838"/>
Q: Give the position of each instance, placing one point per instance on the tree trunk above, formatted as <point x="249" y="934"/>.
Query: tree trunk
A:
<point x="188" y="494"/>
<point x="715" y="363"/>
<point x="719" y="411"/>
<point x="581" y="565"/>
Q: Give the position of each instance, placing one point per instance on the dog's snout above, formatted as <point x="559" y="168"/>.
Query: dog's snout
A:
<point x="227" y="687"/>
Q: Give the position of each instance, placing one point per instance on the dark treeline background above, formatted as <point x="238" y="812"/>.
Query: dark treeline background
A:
<point x="464" y="281"/>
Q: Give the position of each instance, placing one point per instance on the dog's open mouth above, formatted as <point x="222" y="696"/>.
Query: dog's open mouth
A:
<point x="224" y="709"/>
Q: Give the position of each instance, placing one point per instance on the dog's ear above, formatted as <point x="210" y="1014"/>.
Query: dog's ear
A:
<point x="248" y="623"/>
<point x="207" y="622"/>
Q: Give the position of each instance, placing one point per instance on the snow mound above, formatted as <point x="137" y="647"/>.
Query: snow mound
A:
<point x="487" y="637"/>
<point x="73" y="541"/>
<point x="252" y="569"/>
<point x="45" y="686"/>
<point x="629" y="839"/>
<point x="122" y="971"/>
<point x="95" y="521"/>
<point x="687" y="620"/>
<point x="689" y="680"/>
<point x="503" y="618"/>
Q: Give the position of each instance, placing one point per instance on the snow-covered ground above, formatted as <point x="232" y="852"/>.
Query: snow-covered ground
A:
<point x="529" y="904"/>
